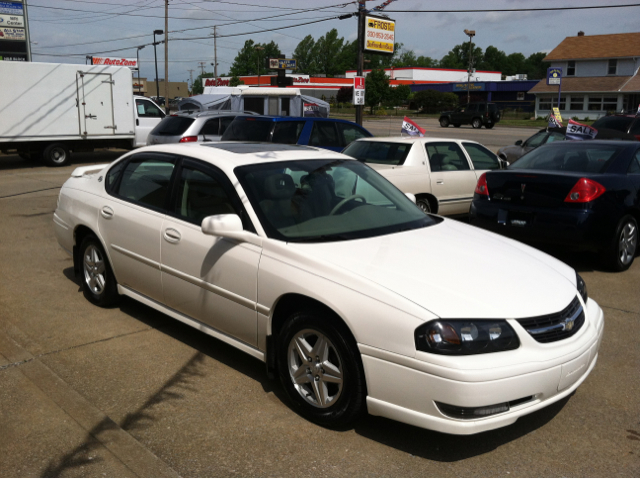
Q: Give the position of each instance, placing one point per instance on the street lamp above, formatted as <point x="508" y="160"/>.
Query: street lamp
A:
<point x="470" y="34"/>
<point x="138" y="64"/>
<point x="259" y="48"/>
<point x="155" y="54"/>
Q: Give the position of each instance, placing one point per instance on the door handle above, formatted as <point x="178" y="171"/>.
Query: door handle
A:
<point x="137" y="122"/>
<point x="172" y="235"/>
<point x="106" y="212"/>
<point x="439" y="182"/>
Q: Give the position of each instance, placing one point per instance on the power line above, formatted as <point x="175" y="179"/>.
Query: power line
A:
<point x="542" y="9"/>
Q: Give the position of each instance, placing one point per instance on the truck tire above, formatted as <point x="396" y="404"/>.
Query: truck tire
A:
<point x="56" y="154"/>
<point x="476" y="123"/>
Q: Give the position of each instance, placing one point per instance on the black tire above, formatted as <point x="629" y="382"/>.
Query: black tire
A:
<point x="444" y="122"/>
<point x="424" y="205"/>
<point x="98" y="282"/>
<point x="344" y="402"/>
<point x="488" y="126"/>
<point x="622" y="250"/>
<point x="56" y="154"/>
<point x="456" y="125"/>
<point x="476" y="123"/>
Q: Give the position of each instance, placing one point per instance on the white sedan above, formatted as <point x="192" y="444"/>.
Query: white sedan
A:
<point x="441" y="173"/>
<point x="315" y="264"/>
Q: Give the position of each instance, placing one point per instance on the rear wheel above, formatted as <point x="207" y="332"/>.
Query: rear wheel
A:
<point x="476" y="123"/>
<point x="622" y="250"/>
<point x="56" y="154"/>
<point x="98" y="282"/>
<point x="444" y="122"/>
<point x="321" y="370"/>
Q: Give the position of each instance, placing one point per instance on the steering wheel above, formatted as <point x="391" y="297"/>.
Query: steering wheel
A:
<point x="343" y="202"/>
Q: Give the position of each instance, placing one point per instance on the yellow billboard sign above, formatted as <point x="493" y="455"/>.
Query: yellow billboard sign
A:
<point x="379" y="35"/>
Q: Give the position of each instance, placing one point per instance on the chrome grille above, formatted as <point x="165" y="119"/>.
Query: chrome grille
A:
<point x="557" y="326"/>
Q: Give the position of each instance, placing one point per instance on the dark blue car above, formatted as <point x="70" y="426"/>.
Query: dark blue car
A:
<point x="328" y="133"/>
<point x="581" y="194"/>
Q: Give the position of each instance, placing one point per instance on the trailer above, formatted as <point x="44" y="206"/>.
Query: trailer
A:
<point x="48" y="110"/>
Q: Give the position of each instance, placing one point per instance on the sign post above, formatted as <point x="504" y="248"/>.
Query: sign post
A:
<point x="554" y="77"/>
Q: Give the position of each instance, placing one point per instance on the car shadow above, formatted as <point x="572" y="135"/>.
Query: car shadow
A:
<point x="436" y="446"/>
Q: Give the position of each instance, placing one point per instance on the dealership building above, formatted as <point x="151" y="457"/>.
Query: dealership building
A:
<point x="600" y="74"/>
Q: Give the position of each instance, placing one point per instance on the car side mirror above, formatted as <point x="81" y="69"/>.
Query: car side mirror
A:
<point x="519" y="142"/>
<point x="503" y="164"/>
<point x="228" y="226"/>
<point x="411" y="196"/>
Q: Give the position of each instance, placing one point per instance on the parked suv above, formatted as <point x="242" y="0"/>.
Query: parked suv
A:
<point x="190" y="126"/>
<point x="625" y="123"/>
<point x="474" y="114"/>
<point x="326" y="133"/>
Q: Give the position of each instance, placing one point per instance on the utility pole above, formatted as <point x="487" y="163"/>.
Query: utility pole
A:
<point x="361" y="40"/>
<point x="471" y="34"/>
<point x="166" y="56"/>
<point x="215" y="54"/>
<point x="202" y="64"/>
<point x="191" y="78"/>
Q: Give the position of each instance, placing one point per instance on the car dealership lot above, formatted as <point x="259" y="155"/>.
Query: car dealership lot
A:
<point x="127" y="391"/>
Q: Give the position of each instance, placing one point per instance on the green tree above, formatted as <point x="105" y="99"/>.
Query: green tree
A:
<point x="458" y="57"/>
<point x="345" y="94"/>
<point x="305" y="56"/>
<point x="197" y="88"/>
<point x="235" y="81"/>
<point x="515" y="64"/>
<point x="377" y="88"/>
<point x="534" y="67"/>
<point x="493" y="60"/>
<point x="399" y="95"/>
<point x="325" y="50"/>
<point x="250" y="59"/>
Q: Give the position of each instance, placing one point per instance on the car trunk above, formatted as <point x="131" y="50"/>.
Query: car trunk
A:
<point x="531" y="188"/>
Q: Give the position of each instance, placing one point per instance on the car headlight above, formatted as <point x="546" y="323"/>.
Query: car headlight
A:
<point x="582" y="287"/>
<point x="459" y="337"/>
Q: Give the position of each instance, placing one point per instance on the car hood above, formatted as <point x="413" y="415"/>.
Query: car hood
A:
<point x="510" y="149"/>
<point x="455" y="270"/>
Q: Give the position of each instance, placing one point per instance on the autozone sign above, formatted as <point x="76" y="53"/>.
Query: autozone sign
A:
<point x="217" y="81"/>
<point x="118" y="62"/>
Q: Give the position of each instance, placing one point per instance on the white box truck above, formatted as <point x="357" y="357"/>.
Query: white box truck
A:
<point x="48" y="110"/>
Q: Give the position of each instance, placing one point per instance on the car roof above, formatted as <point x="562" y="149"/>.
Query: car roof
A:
<point x="203" y="113"/>
<point x="413" y="139"/>
<point x="227" y="155"/>
<point x="290" y="118"/>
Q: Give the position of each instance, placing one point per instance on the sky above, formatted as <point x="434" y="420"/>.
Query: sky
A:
<point x="65" y="31"/>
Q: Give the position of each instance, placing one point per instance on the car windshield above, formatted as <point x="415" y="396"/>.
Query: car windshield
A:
<point x="248" y="129"/>
<point x="620" y="123"/>
<point x="583" y="157"/>
<point x="381" y="152"/>
<point x="327" y="200"/>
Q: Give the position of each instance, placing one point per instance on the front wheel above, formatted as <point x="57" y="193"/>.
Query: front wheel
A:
<point x="444" y="122"/>
<point x="321" y="370"/>
<point x="98" y="282"/>
<point x="424" y="205"/>
<point x="56" y="154"/>
<point x="476" y="123"/>
<point x="622" y="250"/>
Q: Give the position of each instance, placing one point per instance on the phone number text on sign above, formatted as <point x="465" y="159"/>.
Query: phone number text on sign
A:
<point x="380" y="35"/>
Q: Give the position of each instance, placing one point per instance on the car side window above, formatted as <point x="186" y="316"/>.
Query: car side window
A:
<point x="482" y="107"/>
<point x="554" y="136"/>
<point x="324" y="133"/>
<point x="481" y="157"/>
<point x="350" y="132"/>
<point x="145" y="181"/>
<point x="211" y="127"/>
<point x="536" y="140"/>
<point x="472" y="108"/>
<point x="287" y="132"/>
<point x="225" y="121"/>
<point x="113" y="175"/>
<point x="446" y="156"/>
<point x="634" y="167"/>
<point x="199" y="194"/>
<point x="146" y="109"/>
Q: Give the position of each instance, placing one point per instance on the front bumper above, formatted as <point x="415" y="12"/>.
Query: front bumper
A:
<point x="403" y="391"/>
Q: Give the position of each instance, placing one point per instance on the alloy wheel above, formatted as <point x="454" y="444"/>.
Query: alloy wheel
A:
<point x="315" y="368"/>
<point x="94" y="270"/>
<point x="627" y="243"/>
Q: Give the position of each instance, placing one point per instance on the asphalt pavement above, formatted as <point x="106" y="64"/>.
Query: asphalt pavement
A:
<point x="127" y="391"/>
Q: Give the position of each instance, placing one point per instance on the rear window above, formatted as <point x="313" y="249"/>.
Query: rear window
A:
<point x="172" y="126"/>
<point x="248" y="129"/>
<point x="578" y="158"/>
<point x="620" y="123"/>
<point x="287" y="132"/>
<point x="379" y="152"/>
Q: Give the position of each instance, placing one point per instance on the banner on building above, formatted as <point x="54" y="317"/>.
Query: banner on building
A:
<point x="312" y="109"/>
<point x="379" y="35"/>
<point x="118" y="62"/>
<point x="578" y="131"/>
<point x="410" y="128"/>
